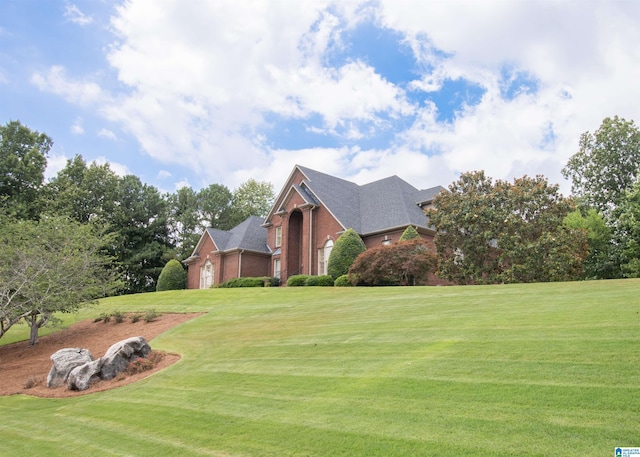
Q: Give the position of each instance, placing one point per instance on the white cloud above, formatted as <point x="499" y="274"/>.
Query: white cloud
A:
<point x="73" y="13"/>
<point x="57" y="82"/>
<point x="164" y="174"/>
<point x="118" y="168"/>
<point x="198" y="86"/>
<point x="55" y="163"/>
<point x="77" y="128"/>
<point x="108" y="134"/>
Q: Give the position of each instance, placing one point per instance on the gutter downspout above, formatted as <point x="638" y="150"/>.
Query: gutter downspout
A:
<point x="240" y="263"/>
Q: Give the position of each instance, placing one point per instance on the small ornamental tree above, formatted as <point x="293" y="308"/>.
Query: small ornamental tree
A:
<point x="410" y="233"/>
<point x="347" y="247"/>
<point x="172" y="277"/>
<point x="406" y="263"/>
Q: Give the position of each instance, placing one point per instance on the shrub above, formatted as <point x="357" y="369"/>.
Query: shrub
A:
<point x="410" y="233"/>
<point x="142" y="364"/>
<point x="250" y="282"/>
<point x="406" y="263"/>
<point x="33" y="381"/>
<point x="325" y="281"/>
<point x="347" y="248"/>
<point x="151" y="315"/>
<point x="297" y="280"/>
<point x="118" y="317"/>
<point x="172" y="277"/>
<point x="342" y="281"/>
<point x="135" y="318"/>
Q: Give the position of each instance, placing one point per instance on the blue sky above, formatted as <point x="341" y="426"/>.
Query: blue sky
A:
<point x="194" y="92"/>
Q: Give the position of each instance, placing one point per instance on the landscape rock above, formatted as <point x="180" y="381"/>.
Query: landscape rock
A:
<point x="117" y="358"/>
<point x="64" y="361"/>
<point x="83" y="376"/>
<point x="77" y="368"/>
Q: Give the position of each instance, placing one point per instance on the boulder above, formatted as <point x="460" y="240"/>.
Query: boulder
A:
<point x="77" y="368"/>
<point x="64" y="361"/>
<point x="118" y="356"/>
<point x="83" y="376"/>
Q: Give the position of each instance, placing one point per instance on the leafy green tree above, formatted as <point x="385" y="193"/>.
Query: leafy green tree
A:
<point x="603" y="260"/>
<point x="606" y="164"/>
<point x="215" y="207"/>
<point x="410" y="233"/>
<point x="405" y="263"/>
<point x="142" y="246"/>
<point x="86" y="193"/>
<point x="347" y="248"/>
<point x="172" y="277"/>
<point x="466" y="219"/>
<point x="505" y="232"/>
<point x="627" y="232"/>
<point x="52" y="266"/>
<point x="184" y="221"/>
<point x="23" y="159"/>
<point x="251" y="198"/>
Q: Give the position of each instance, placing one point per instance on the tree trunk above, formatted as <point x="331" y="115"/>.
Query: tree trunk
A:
<point x="33" y="323"/>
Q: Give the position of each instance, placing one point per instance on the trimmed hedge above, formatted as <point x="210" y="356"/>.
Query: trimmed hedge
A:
<point x="250" y="282"/>
<point x="297" y="280"/>
<point x="347" y="248"/>
<point x="172" y="277"/>
<point x="343" y="281"/>
<point x="324" y="281"/>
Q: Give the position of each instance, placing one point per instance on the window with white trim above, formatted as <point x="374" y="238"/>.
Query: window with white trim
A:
<point x="277" y="268"/>
<point x="206" y="275"/>
<point x="278" y="236"/>
<point x="323" y="257"/>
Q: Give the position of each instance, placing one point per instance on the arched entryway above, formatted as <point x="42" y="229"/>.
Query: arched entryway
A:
<point x="294" y="244"/>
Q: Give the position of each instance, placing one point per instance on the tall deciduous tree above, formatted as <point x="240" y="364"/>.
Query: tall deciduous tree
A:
<point x="23" y="159"/>
<point x="251" y="198"/>
<point x="142" y="245"/>
<point x="606" y="164"/>
<point x="85" y="193"/>
<point x="215" y="207"/>
<point x="48" y="267"/>
<point x="184" y="220"/>
<point x="627" y="232"/>
<point x="505" y="232"/>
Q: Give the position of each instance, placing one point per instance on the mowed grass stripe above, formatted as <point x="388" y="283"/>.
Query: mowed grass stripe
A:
<point x="544" y="369"/>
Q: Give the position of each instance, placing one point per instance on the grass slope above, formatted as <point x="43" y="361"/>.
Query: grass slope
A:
<point x="527" y="370"/>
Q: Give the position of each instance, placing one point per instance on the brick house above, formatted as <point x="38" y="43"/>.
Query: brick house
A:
<point x="309" y="214"/>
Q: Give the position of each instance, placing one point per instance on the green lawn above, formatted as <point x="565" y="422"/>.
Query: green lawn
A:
<point x="526" y="370"/>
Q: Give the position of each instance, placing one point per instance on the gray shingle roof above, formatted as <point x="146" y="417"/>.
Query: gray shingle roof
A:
<point x="249" y="235"/>
<point x="381" y="205"/>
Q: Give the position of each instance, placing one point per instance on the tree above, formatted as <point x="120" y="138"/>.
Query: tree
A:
<point x="215" y="207"/>
<point x="627" y="232"/>
<point x="84" y="193"/>
<point x="142" y="246"/>
<point x="184" y="221"/>
<point x="606" y="164"/>
<point x="505" y="232"/>
<point x="348" y="246"/>
<point x="172" y="277"/>
<point x="405" y="263"/>
<point x="251" y="198"/>
<point x="23" y="159"/>
<point x="603" y="260"/>
<point x="465" y="219"/>
<point x="52" y="266"/>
